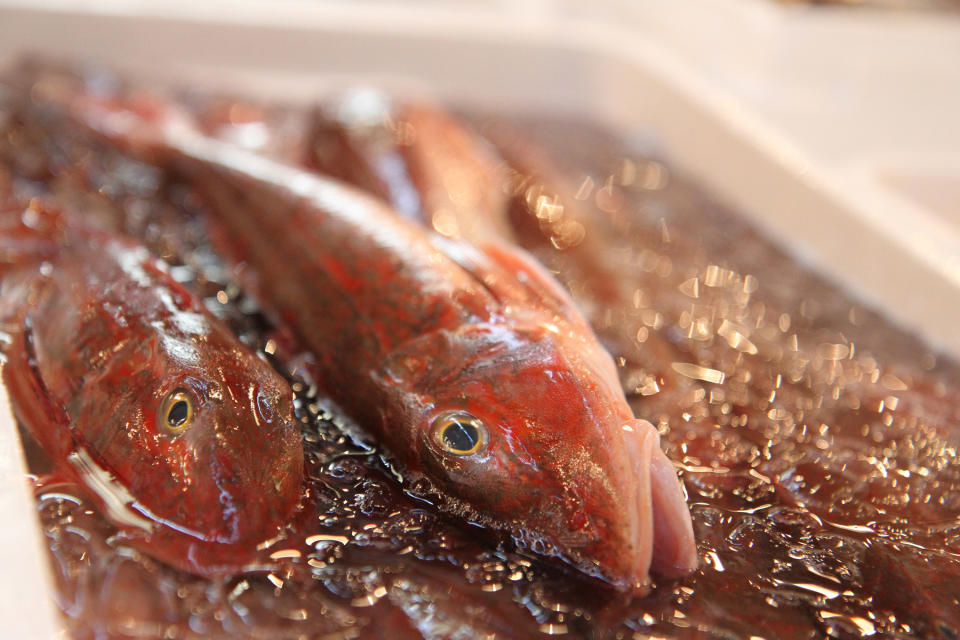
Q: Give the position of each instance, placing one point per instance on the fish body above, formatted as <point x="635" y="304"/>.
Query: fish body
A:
<point x="184" y="436"/>
<point x="469" y="365"/>
<point x="409" y="152"/>
<point x="416" y="157"/>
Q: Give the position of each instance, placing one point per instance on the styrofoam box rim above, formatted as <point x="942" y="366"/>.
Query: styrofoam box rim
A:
<point x="537" y="62"/>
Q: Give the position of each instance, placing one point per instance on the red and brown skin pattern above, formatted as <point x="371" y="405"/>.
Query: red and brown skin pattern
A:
<point x="415" y="156"/>
<point x="407" y="327"/>
<point x="418" y="158"/>
<point x="103" y="345"/>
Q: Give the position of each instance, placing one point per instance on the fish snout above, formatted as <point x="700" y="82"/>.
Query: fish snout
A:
<point x="625" y="553"/>
<point x="638" y="516"/>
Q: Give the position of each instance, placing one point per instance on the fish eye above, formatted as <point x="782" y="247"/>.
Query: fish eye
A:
<point x="460" y="433"/>
<point x="176" y="411"/>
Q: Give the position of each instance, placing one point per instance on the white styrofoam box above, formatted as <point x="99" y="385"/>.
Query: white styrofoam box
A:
<point x="26" y="605"/>
<point x="834" y="131"/>
<point x="847" y="87"/>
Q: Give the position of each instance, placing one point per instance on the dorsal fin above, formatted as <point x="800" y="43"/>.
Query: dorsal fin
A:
<point x="529" y="272"/>
<point x="538" y="281"/>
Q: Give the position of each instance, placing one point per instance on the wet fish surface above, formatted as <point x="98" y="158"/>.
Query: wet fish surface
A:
<point x="179" y="432"/>
<point x="470" y="365"/>
<point x="428" y="166"/>
<point x="417" y="157"/>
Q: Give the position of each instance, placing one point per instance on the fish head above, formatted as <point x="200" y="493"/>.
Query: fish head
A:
<point x="526" y="423"/>
<point x="225" y="421"/>
<point x="187" y="435"/>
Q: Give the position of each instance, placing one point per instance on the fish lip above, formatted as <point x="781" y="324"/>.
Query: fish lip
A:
<point x="617" y="548"/>
<point x="640" y="440"/>
<point x="652" y="531"/>
<point x="674" y="545"/>
<point x="664" y="540"/>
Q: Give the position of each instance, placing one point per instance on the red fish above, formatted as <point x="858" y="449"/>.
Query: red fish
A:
<point x="416" y="156"/>
<point x="471" y="366"/>
<point x="182" y="434"/>
<point x="410" y="152"/>
<point x="419" y="159"/>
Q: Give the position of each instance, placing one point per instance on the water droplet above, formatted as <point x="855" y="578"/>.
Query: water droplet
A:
<point x="893" y="383"/>
<point x="698" y="372"/>
<point x="690" y="287"/>
<point x="736" y="337"/>
<point x="833" y="351"/>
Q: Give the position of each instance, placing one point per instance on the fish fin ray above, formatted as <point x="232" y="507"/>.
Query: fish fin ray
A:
<point x="537" y="281"/>
<point x="536" y="277"/>
<point x="511" y="276"/>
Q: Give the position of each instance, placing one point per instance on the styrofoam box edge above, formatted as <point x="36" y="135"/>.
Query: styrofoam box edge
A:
<point x="26" y="608"/>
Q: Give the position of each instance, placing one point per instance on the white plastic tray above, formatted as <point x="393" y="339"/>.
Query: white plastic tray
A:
<point x="778" y="111"/>
<point x="26" y="608"/>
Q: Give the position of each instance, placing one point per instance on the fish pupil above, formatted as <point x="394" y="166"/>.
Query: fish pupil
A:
<point x="178" y="413"/>
<point x="461" y="436"/>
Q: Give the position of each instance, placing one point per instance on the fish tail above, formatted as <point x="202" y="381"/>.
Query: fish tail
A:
<point x="153" y="129"/>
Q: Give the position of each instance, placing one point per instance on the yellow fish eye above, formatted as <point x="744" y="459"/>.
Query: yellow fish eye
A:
<point x="460" y="433"/>
<point x="176" y="412"/>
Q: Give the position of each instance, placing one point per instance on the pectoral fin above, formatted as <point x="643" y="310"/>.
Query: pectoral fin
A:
<point x="511" y="276"/>
<point x="530" y="273"/>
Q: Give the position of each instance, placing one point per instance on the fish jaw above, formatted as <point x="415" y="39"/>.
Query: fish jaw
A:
<point x="627" y="563"/>
<point x="644" y="525"/>
<point x="674" y="547"/>
<point x="661" y="528"/>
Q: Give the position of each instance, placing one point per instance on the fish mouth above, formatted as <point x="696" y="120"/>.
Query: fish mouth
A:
<point x="674" y="547"/>
<point x="660" y="527"/>
<point x="647" y="526"/>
